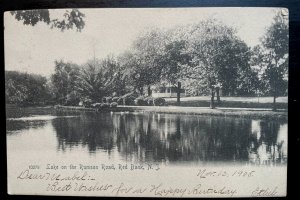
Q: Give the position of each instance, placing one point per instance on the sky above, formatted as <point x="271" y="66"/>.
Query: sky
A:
<point x="34" y="49"/>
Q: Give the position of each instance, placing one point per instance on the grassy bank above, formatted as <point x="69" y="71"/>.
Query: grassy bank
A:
<point x="232" y="102"/>
<point x="245" y="113"/>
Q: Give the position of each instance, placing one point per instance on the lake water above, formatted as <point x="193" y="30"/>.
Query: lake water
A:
<point x="47" y="134"/>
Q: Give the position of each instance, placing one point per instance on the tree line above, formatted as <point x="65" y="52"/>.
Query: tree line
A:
<point x="206" y="57"/>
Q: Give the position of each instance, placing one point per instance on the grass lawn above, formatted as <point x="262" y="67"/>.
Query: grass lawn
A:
<point x="234" y="102"/>
<point x="241" y="99"/>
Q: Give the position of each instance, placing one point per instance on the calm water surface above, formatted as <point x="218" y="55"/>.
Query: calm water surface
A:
<point x="143" y="137"/>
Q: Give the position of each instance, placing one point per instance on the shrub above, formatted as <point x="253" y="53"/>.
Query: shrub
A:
<point x="159" y="101"/>
<point x="140" y="101"/>
<point x="87" y="103"/>
<point x="72" y="99"/>
<point x="113" y="104"/>
<point x="128" y="99"/>
<point x="104" y="99"/>
<point x="120" y="101"/>
<point x="71" y="102"/>
<point x="104" y="105"/>
<point x="115" y="99"/>
<point x="96" y="105"/>
<point x="149" y="101"/>
<point x="108" y="99"/>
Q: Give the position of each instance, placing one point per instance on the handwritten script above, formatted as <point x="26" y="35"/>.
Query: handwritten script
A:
<point x="83" y="178"/>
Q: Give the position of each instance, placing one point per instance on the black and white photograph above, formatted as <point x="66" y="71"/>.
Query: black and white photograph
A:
<point x="147" y="102"/>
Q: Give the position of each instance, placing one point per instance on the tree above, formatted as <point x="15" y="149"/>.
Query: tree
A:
<point x="175" y="57"/>
<point x="148" y="52"/>
<point x="115" y="73"/>
<point x="219" y="58"/>
<point x="272" y="57"/>
<point x="63" y="82"/>
<point x="95" y="79"/>
<point x="71" y="18"/>
<point x="131" y="71"/>
<point x="25" y="89"/>
<point x="236" y="76"/>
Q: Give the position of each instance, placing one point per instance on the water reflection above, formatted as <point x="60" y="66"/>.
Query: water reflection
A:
<point x="170" y="138"/>
<point x="91" y="130"/>
<point x="269" y="142"/>
<point x="149" y="137"/>
<point x="18" y="126"/>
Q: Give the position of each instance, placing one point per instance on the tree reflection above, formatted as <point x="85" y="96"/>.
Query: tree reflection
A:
<point x="91" y="130"/>
<point x="170" y="138"/>
<point x="17" y="126"/>
<point x="266" y="147"/>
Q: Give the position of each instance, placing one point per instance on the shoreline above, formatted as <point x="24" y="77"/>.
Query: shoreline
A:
<point x="253" y="113"/>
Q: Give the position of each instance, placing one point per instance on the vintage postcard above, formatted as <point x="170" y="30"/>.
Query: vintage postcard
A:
<point x="147" y="102"/>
